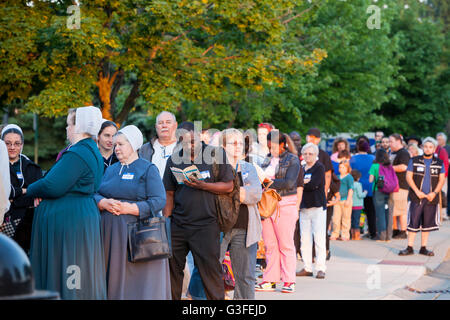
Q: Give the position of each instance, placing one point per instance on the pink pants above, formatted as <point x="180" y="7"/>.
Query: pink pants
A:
<point x="278" y="235"/>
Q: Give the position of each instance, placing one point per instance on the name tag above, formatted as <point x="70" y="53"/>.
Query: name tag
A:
<point x="420" y="169"/>
<point x="205" y="174"/>
<point x="244" y="175"/>
<point x="307" y="176"/>
<point x="19" y="175"/>
<point x="128" y="176"/>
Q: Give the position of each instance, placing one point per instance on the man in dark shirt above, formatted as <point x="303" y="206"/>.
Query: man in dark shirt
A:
<point x="192" y="209"/>
<point x="398" y="201"/>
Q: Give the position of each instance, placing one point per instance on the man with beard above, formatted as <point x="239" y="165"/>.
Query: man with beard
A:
<point x="425" y="176"/>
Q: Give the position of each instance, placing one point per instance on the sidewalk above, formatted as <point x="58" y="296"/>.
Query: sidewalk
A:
<point x="361" y="270"/>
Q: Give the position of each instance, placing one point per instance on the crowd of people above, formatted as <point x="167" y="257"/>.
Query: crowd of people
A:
<point x="76" y="216"/>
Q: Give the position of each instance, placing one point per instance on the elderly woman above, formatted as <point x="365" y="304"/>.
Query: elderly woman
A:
<point x="283" y="168"/>
<point x="243" y="238"/>
<point x="313" y="215"/>
<point x="131" y="189"/>
<point x="22" y="173"/>
<point x="66" y="246"/>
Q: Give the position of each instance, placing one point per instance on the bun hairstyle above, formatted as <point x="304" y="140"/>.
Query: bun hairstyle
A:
<point x="363" y="146"/>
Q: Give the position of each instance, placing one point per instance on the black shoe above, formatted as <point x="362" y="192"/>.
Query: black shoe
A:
<point x="395" y="232"/>
<point x="304" y="273"/>
<point x="400" y="235"/>
<point x="426" y="252"/>
<point x="407" y="252"/>
<point x="320" y="275"/>
<point x="328" y="255"/>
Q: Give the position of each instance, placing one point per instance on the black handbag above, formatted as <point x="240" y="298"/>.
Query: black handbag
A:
<point x="149" y="239"/>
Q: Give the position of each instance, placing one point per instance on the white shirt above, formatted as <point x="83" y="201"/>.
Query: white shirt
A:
<point x="161" y="154"/>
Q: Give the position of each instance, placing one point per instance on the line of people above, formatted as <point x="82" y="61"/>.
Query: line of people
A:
<point x="73" y="221"/>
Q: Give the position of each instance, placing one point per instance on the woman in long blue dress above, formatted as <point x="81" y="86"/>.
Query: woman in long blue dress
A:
<point x="66" y="247"/>
<point x="130" y="189"/>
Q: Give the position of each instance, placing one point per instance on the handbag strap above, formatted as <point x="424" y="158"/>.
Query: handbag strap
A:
<point x="266" y="187"/>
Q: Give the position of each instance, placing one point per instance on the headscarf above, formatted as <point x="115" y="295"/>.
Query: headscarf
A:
<point x="11" y="126"/>
<point x="88" y="120"/>
<point x="133" y="135"/>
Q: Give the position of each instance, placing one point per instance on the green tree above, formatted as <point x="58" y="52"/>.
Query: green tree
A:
<point x="419" y="102"/>
<point x="169" y="52"/>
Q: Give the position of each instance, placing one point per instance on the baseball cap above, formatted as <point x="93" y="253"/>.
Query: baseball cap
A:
<point x="313" y="132"/>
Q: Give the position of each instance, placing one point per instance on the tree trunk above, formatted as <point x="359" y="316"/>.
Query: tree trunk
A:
<point x="129" y="103"/>
<point x="104" y="85"/>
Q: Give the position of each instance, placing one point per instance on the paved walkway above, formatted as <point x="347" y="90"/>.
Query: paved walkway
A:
<point x="361" y="270"/>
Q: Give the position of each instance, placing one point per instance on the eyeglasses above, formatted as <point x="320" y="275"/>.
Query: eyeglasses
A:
<point x="15" y="144"/>
<point x="308" y="154"/>
<point x="236" y="143"/>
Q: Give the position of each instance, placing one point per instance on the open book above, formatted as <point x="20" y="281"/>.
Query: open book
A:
<point x="186" y="174"/>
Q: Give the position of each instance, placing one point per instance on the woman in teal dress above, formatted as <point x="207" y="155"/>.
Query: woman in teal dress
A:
<point x="66" y="247"/>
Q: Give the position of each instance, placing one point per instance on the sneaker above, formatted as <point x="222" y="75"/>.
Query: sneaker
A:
<point x="304" y="273"/>
<point x="288" y="287"/>
<point x="395" y="233"/>
<point x="426" y="252"/>
<point x="320" y="275"/>
<point x="406" y="252"/>
<point x="266" y="286"/>
<point x="400" y="235"/>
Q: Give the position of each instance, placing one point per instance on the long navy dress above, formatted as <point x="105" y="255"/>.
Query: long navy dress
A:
<point x="140" y="183"/>
<point x="66" y="246"/>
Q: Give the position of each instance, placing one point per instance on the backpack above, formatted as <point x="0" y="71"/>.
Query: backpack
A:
<point x="227" y="205"/>
<point x="389" y="178"/>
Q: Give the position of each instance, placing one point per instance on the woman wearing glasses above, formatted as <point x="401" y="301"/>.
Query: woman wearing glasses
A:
<point x="243" y="238"/>
<point x="23" y="172"/>
<point x="313" y="216"/>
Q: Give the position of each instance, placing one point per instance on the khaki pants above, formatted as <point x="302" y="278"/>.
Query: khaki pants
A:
<point x="342" y="216"/>
<point x="398" y="203"/>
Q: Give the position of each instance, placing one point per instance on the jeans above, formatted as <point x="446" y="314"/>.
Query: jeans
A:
<point x="356" y="216"/>
<point x="196" y="290"/>
<point x="384" y="218"/>
<point x="243" y="262"/>
<point x="313" y="223"/>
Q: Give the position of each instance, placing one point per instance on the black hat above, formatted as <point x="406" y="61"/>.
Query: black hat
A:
<point x="413" y="137"/>
<point x="313" y="132"/>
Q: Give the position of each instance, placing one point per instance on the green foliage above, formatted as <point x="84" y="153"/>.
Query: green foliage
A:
<point x="419" y="102"/>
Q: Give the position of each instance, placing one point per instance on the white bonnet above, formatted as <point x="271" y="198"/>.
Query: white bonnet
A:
<point x="88" y="120"/>
<point x="133" y="135"/>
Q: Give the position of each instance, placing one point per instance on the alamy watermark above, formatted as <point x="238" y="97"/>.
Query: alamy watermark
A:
<point x="74" y="279"/>
<point x="74" y="20"/>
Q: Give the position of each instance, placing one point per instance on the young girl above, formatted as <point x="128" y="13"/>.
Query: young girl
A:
<point x="358" y="204"/>
<point x="343" y="210"/>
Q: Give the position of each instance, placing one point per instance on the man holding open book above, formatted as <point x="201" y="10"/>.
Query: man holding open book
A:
<point x="190" y="191"/>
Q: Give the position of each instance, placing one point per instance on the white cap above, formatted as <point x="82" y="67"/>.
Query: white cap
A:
<point x="11" y="126"/>
<point x="88" y="120"/>
<point x="133" y="135"/>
